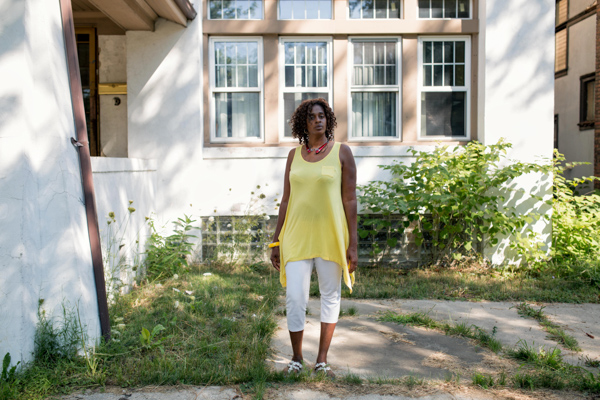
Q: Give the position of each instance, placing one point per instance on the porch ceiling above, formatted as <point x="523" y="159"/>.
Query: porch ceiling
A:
<point x="135" y="15"/>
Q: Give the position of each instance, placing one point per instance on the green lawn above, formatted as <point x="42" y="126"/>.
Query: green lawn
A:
<point x="213" y="326"/>
<point x="476" y="285"/>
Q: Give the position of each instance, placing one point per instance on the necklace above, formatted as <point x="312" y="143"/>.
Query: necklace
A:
<point x="317" y="150"/>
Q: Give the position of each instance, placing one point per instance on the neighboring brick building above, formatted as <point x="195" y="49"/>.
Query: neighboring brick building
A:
<point x="577" y="84"/>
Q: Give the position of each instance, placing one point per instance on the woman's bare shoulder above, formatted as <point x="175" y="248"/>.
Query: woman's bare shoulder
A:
<point x="345" y="151"/>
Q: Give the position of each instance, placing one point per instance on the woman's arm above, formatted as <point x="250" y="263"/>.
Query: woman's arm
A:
<point x="349" y="200"/>
<point x="275" y="260"/>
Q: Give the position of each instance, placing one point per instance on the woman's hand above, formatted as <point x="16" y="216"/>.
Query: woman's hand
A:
<point x="352" y="258"/>
<point x="275" y="258"/>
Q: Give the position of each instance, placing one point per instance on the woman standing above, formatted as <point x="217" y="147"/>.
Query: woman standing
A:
<point x="316" y="225"/>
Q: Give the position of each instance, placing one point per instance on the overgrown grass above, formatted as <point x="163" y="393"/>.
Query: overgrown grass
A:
<point x="475" y="284"/>
<point x="462" y="329"/>
<point x="217" y="323"/>
<point x="555" y="332"/>
<point x="213" y="327"/>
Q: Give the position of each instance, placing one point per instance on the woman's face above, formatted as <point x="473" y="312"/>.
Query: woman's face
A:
<point x="316" y="122"/>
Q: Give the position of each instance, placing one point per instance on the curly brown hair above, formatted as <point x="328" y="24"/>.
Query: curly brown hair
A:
<point x="300" y="116"/>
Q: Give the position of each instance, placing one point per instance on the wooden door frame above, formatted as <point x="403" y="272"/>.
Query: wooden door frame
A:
<point x="94" y="129"/>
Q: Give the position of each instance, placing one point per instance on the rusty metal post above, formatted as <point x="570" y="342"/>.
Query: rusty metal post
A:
<point x="81" y="144"/>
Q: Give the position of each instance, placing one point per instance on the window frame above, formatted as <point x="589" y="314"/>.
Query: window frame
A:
<point x="262" y="16"/>
<point x="448" y="19"/>
<point x="583" y="81"/>
<point x="564" y="71"/>
<point x="281" y="71"/>
<point x="375" y="88"/>
<point x="331" y="2"/>
<point x="213" y="89"/>
<point x="401" y="14"/>
<point x="558" y="9"/>
<point x="467" y="88"/>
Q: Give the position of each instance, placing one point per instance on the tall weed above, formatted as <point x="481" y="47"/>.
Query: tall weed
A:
<point x="167" y="256"/>
<point x="56" y="339"/>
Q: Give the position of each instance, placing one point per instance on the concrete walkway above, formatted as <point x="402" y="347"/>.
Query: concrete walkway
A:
<point x="366" y="347"/>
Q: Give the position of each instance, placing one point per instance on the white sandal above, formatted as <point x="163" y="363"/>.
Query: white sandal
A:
<point x="294" y="367"/>
<point x="325" y="368"/>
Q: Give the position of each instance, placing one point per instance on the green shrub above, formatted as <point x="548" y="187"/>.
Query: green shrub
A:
<point x="167" y="256"/>
<point x="450" y="198"/>
<point x="575" y="220"/>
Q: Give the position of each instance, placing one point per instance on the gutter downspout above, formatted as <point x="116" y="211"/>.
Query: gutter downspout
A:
<point x="82" y="146"/>
<point x="186" y="8"/>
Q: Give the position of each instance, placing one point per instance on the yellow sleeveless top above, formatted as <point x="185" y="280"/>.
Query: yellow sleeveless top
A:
<point x="315" y="223"/>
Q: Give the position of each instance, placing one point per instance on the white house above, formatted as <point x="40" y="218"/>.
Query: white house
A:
<point x="180" y="109"/>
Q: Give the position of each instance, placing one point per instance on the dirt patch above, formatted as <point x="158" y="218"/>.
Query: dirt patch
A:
<point x="444" y="361"/>
<point x="396" y="337"/>
<point x="359" y="328"/>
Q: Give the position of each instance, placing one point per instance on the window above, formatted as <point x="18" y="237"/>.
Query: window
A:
<point x="587" y="104"/>
<point x="562" y="11"/>
<point x="236" y="89"/>
<point x="369" y="9"/>
<point x="444" y="90"/>
<point x="235" y="9"/>
<point x="374" y="88"/>
<point x="304" y="9"/>
<point x="561" y="49"/>
<point x="444" y="9"/>
<point x="306" y="73"/>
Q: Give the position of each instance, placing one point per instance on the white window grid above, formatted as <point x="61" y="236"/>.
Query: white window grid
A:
<point x="376" y="88"/>
<point x="234" y="89"/>
<point x="386" y="5"/>
<point x="446" y="4"/>
<point x="302" y="89"/>
<point x="466" y="88"/>
<point x="305" y="5"/>
<point x="234" y="9"/>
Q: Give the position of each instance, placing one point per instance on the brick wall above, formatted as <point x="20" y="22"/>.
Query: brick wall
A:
<point x="597" y="124"/>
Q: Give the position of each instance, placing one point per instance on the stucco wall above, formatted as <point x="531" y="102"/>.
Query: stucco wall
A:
<point x="112" y="56"/>
<point x="117" y="182"/>
<point x="165" y="122"/>
<point x="517" y="92"/>
<point x="575" y="144"/>
<point x="44" y="245"/>
<point x="164" y="111"/>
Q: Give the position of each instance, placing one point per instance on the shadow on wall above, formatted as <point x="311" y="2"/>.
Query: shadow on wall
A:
<point x="529" y="19"/>
<point x="164" y="106"/>
<point x="44" y="246"/>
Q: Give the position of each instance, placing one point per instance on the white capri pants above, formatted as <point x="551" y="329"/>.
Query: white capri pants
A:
<point x="298" y="285"/>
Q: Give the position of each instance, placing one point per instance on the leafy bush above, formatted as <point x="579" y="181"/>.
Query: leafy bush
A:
<point x="575" y="219"/>
<point x="449" y="198"/>
<point x="167" y="256"/>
